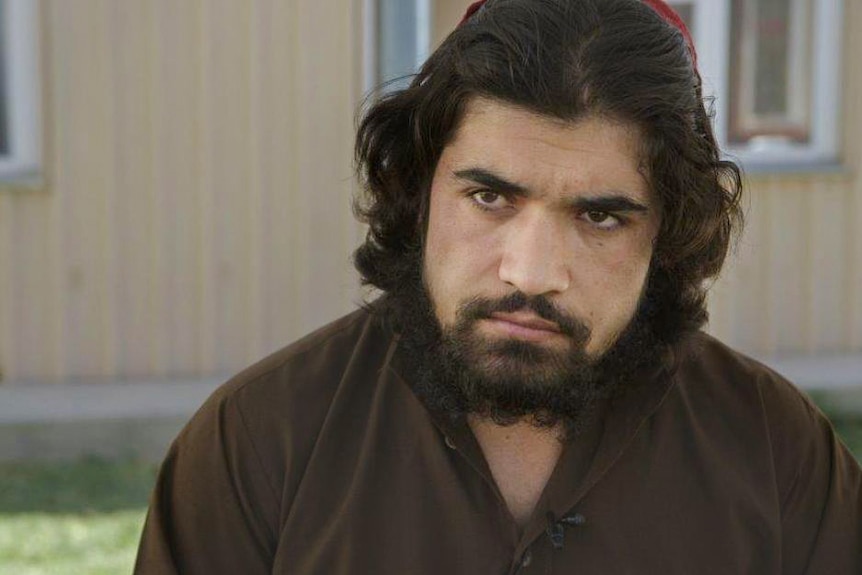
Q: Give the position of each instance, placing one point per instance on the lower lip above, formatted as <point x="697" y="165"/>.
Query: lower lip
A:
<point x="521" y="332"/>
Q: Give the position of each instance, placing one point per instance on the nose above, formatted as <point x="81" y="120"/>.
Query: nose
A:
<point x="535" y="255"/>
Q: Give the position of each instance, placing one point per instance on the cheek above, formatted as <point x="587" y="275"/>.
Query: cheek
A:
<point x="443" y="242"/>
<point x="617" y="269"/>
<point x="457" y="237"/>
<point x="457" y="253"/>
<point x="615" y="282"/>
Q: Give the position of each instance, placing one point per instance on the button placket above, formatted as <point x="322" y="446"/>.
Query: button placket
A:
<point x="521" y="564"/>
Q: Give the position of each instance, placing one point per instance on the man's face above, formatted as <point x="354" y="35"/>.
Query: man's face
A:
<point x="539" y="239"/>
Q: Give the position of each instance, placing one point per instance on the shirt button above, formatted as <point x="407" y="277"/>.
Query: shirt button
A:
<point x="526" y="559"/>
<point x="449" y="443"/>
<point x="576" y="520"/>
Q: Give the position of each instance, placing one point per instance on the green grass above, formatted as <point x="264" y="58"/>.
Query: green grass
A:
<point x="86" y="517"/>
<point x="72" y="518"/>
<point x="850" y="431"/>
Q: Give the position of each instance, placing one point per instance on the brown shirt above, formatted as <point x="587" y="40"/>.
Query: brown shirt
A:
<point x="321" y="460"/>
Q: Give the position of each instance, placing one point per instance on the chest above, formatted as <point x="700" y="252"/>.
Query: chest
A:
<point x="429" y="511"/>
<point x="395" y="499"/>
<point x="521" y="462"/>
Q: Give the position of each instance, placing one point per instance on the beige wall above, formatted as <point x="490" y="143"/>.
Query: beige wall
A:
<point x="196" y="207"/>
<point x="447" y="14"/>
<point x="196" y="212"/>
<point x="795" y="286"/>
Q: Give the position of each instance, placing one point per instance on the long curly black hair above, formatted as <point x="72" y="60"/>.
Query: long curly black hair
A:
<point x="567" y="60"/>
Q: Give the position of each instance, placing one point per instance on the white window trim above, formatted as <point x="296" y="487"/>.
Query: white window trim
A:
<point x="23" y="90"/>
<point x="423" y="31"/>
<point x="371" y="51"/>
<point x="713" y="41"/>
<point x="370" y="47"/>
<point x="711" y="31"/>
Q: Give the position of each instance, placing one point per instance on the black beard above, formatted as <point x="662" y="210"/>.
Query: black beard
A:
<point x="456" y="372"/>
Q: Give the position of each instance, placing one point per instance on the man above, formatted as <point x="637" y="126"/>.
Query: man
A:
<point x="531" y="392"/>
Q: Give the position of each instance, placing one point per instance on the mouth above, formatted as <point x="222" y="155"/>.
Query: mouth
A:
<point x="523" y="325"/>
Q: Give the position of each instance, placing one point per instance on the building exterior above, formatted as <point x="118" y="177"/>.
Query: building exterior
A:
<point x="192" y="208"/>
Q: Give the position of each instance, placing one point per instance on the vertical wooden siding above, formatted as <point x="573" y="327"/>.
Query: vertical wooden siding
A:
<point x="197" y="212"/>
<point x="197" y="215"/>
<point x="795" y="287"/>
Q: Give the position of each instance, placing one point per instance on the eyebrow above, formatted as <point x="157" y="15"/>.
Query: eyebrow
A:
<point x="611" y="202"/>
<point x="490" y="180"/>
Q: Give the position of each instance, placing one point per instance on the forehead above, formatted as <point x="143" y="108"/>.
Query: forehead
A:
<point x="590" y="156"/>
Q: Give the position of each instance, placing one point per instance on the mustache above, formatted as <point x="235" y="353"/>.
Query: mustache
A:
<point x="483" y="308"/>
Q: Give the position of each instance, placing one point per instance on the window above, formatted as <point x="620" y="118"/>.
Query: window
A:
<point x="773" y="66"/>
<point x="399" y="33"/>
<point x="20" y="101"/>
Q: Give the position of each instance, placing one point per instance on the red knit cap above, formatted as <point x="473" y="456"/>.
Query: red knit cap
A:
<point x="661" y="8"/>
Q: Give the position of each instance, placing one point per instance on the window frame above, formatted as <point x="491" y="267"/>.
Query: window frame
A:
<point x="714" y="61"/>
<point x="372" y="77"/>
<point x="22" y="61"/>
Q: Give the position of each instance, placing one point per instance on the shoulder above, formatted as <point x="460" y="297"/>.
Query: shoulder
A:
<point x="295" y="385"/>
<point x="739" y="392"/>
<point x="708" y="366"/>
<point x="269" y="414"/>
<point x="232" y="473"/>
<point x="732" y="393"/>
<point x="316" y="360"/>
<point x="763" y="408"/>
<point x="816" y="482"/>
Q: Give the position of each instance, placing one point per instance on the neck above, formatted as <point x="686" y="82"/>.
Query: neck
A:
<point x="521" y="457"/>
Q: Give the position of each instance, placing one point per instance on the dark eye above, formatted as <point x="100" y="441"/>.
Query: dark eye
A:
<point x="597" y="217"/>
<point x="489" y="200"/>
<point x="601" y="220"/>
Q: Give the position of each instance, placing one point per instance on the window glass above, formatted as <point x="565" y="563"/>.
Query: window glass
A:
<point x="402" y="40"/>
<point x="773" y="68"/>
<point x="4" y="99"/>
<point x="770" y="69"/>
<point x="20" y="101"/>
